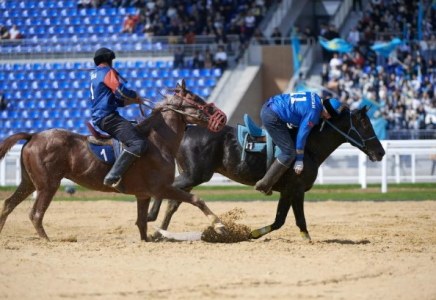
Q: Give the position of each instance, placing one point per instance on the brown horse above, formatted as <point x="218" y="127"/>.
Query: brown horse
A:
<point x="52" y="155"/>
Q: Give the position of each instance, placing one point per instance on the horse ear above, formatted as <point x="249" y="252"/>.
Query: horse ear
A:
<point x="183" y="84"/>
<point x="367" y="108"/>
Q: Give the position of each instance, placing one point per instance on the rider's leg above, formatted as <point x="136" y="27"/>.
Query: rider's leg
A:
<point x="135" y="146"/>
<point x="279" y="132"/>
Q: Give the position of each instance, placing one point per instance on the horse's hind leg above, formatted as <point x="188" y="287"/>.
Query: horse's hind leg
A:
<point x="43" y="200"/>
<point x="22" y="192"/>
<point x="173" y="193"/>
<point x="141" y="221"/>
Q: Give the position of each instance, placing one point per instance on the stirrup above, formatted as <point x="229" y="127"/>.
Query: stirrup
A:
<point x="118" y="186"/>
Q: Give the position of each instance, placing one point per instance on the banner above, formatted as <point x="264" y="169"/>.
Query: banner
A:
<point x="386" y="48"/>
<point x="295" y="41"/>
<point x="335" y="45"/>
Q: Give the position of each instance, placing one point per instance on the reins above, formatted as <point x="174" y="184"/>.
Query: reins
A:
<point x="347" y="135"/>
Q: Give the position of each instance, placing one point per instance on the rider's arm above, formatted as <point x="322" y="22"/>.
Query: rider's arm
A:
<point x="124" y="95"/>
<point x="306" y="125"/>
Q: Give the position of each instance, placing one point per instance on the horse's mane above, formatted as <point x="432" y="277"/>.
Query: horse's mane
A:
<point x="150" y="122"/>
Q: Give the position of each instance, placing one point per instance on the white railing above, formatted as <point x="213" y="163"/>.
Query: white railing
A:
<point x="405" y="161"/>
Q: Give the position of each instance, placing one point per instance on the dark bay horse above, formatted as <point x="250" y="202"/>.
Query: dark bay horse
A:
<point x="204" y="153"/>
<point x="49" y="156"/>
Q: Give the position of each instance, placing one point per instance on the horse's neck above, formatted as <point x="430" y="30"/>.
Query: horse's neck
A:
<point x="171" y="129"/>
<point x="325" y="142"/>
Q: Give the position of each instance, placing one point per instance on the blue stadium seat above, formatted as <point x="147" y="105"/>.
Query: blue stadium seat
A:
<point x="48" y="124"/>
<point x="51" y="104"/>
<point x="200" y="82"/>
<point x="41" y="104"/>
<point x="150" y="64"/>
<point x="164" y="73"/>
<point x="158" y="83"/>
<point x="69" y="124"/>
<point x="217" y="72"/>
<point x="118" y="65"/>
<point x="76" y="113"/>
<point x="184" y="73"/>
<point x="137" y="84"/>
<point x="59" y="95"/>
<point x="154" y="73"/>
<point x="151" y="94"/>
<point x="4" y="85"/>
<point x="170" y="83"/>
<point x="28" y="124"/>
<point x="35" y="114"/>
<point x="20" y="76"/>
<point x="211" y="82"/>
<point x="148" y="83"/>
<point x="190" y="83"/>
<point x="143" y="93"/>
<point x="38" y="124"/>
<point x="205" y="92"/>
<point x="77" y="65"/>
<point x="205" y="73"/>
<point x="133" y="74"/>
<point x="195" y="73"/>
<point x="170" y="64"/>
<point x="47" y="94"/>
<point x="57" y="66"/>
<point x="140" y="64"/>
<point x="143" y="74"/>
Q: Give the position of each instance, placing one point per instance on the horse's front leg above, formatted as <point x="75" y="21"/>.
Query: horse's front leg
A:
<point x="176" y="194"/>
<point x="300" y="219"/>
<point x="141" y="221"/>
<point x="282" y="212"/>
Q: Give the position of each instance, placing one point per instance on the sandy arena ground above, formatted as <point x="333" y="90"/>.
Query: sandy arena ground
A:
<point x="363" y="250"/>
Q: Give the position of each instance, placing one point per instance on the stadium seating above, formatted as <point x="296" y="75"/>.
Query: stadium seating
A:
<point x="47" y="95"/>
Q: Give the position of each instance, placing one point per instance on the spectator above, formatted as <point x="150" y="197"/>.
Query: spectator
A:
<point x="15" y="33"/>
<point x="309" y="35"/>
<point x="220" y="59"/>
<point x="172" y="39"/>
<point x="179" y="59"/>
<point x="250" y="23"/>
<point x="335" y="62"/>
<point x="208" y="59"/>
<point x="4" y="33"/>
<point x="3" y="103"/>
<point x="259" y="38"/>
<point x="189" y="37"/>
<point x="353" y="37"/>
<point x="129" y="24"/>
<point x="276" y="36"/>
<point x="197" y="61"/>
<point x="220" y="36"/>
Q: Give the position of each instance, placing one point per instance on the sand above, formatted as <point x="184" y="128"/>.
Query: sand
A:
<point x="362" y="250"/>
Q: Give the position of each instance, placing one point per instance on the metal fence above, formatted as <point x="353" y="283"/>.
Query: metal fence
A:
<point x="123" y="45"/>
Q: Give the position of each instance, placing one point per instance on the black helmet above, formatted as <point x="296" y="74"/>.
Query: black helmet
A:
<point x="103" y="55"/>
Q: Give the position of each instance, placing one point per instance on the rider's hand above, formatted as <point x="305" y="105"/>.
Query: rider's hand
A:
<point x="298" y="167"/>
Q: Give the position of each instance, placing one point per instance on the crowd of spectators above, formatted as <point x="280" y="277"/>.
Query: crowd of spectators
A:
<point x="403" y="85"/>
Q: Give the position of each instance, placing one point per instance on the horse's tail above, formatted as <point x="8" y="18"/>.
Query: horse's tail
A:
<point x="7" y="144"/>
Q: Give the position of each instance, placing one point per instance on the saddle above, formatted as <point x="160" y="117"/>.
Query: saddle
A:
<point x="252" y="138"/>
<point x="103" y="146"/>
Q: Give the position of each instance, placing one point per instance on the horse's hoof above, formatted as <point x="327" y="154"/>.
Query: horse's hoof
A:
<point x="306" y="236"/>
<point x="255" y="234"/>
<point x="221" y="229"/>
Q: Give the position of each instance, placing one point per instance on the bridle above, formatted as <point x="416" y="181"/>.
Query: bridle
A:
<point x="347" y="136"/>
<point x="216" y="121"/>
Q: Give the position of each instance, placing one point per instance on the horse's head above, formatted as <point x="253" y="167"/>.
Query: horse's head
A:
<point x="195" y="110"/>
<point x="361" y="134"/>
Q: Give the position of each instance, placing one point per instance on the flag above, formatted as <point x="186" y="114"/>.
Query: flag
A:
<point x="420" y="21"/>
<point x="374" y="106"/>
<point x="295" y="41"/>
<point x="386" y="48"/>
<point x="335" y="45"/>
<point x="433" y="4"/>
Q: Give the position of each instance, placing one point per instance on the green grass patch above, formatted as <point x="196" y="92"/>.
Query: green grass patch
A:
<point x="339" y="192"/>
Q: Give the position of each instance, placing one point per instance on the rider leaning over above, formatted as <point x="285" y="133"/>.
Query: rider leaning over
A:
<point x="302" y="110"/>
<point x="107" y="94"/>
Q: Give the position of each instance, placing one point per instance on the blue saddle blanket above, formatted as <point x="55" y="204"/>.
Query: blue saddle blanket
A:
<point x="106" y="153"/>
<point x="248" y="138"/>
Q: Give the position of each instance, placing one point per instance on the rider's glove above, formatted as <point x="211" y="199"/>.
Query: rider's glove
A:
<point x="298" y="167"/>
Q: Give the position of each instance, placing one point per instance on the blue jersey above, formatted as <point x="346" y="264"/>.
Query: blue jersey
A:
<point x="302" y="110"/>
<point x="107" y="93"/>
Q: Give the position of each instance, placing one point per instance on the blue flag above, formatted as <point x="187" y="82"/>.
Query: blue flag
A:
<point x="420" y="21"/>
<point x="433" y="4"/>
<point x="296" y="53"/>
<point x="335" y="45"/>
<point x="386" y="48"/>
<point x="374" y="106"/>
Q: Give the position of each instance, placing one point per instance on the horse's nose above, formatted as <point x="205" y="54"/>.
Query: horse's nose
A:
<point x="381" y="153"/>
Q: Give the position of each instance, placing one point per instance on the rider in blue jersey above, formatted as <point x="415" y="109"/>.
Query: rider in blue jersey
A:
<point x="302" y="110"/>
<point x="107" y="94"/>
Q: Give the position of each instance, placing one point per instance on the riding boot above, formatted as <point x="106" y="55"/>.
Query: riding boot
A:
<point x="271" y="177"/>
<point x="120" y="167"/>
